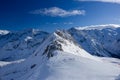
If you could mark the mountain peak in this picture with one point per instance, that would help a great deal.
(61, 40)
(55, 56)
(4, 32)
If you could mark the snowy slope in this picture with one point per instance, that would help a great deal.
(100, 40)
(19, 45)
(59, 57)
(66, 66)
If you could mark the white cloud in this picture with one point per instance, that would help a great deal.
(55, 11)
(109, 1)
(60, 23)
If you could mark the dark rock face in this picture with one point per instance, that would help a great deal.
(52, 47)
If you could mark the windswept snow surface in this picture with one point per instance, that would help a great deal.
(66, 66)
(60, 58)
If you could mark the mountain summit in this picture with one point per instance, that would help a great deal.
(57, 56)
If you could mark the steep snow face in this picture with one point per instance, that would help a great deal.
(59, 57)
(63, 41)
(100, 40)
(19, 45)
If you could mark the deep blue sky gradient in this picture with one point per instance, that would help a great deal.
(14, 14)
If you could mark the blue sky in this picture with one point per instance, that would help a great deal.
(49, 15)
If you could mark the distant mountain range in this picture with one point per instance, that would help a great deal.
(72, 54)
(100, 40)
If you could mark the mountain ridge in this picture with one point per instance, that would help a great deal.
(60, 57)
(100, 42)
(86, 37)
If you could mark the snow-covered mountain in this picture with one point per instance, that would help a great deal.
(100, 40)
(62, 55)
(19, 45)
(59, 57)
(3, 32)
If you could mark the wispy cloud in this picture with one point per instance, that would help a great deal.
(108, 1)
(68, 23)
(55, 11)
(60, 23)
